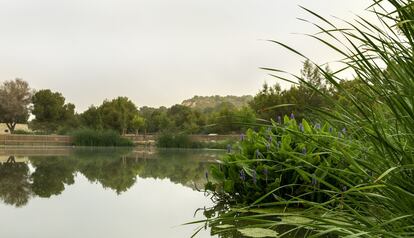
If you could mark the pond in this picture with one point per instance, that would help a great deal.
(102, 193)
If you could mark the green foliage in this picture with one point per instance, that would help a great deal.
(272, 101)
(137, 122)
(374, 195)
(169, 140)
(90, 137)
(229, 119)
(286, 160)
(22, 132)
(119, 114)
(184, 119)
(91, 118)
(52, 114)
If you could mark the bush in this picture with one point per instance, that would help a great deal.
(22, 132)
(169, 140)
(89, 137)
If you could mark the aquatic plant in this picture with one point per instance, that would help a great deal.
(375, 198)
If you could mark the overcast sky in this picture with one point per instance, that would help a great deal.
(156, 52)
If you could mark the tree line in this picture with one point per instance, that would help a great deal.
(52, 114)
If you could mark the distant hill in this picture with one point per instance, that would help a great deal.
(205, 102)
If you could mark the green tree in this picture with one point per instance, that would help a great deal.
(137, 123)
(51, 112)
(185, 119)
(117, 114)
(92, 118)
(297, 99)
(15, 98)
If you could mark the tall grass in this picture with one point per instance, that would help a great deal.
(380, 202)
(90, 137)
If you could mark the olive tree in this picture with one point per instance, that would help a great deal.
(15, 99)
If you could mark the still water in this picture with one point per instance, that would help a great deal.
(102, 192)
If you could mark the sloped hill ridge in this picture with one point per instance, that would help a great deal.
(204, 102)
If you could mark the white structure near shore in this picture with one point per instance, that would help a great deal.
(5, 130)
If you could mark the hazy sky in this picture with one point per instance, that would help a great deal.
(156, 52)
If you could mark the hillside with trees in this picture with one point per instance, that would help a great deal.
(204, 103)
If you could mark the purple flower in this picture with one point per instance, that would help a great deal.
(344, 130)
(257, 153)
(318, 126)
(279, 119)
(292, 116)
(301, 128)
(304, 151)
(254, 177)
(265, 172)
(242, 175)
(228, 148)
(270, 139)
(206, 175)
(314, 181)
(330, 129)
(242, 137)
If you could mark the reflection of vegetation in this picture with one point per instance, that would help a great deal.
(117, 174)
(229, 222)
(51, 175)
(172, 140)
(14, 183)
(116, 169)
(182, 167)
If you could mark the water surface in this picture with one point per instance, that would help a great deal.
(102, 192)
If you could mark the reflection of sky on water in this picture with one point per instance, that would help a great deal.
(151, 207)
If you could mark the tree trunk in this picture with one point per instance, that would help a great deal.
(11, 126)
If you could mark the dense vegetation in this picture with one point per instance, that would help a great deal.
(352, 177)
(199, 115)
(89, 137)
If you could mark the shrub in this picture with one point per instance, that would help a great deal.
(169, 140)
(89, 137)
(22, 132)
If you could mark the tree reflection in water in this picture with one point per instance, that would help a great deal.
(15, 186)
(113, 169)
